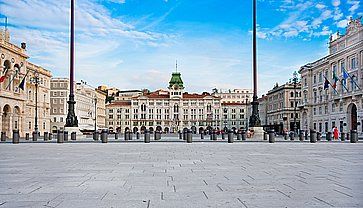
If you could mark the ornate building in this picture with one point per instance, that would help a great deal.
(88, 101)
(324, 106)
(282, 107)
(167, 110)
(18, 105)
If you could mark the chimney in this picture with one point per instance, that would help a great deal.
(23, 45)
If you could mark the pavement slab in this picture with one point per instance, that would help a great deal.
(177, 174)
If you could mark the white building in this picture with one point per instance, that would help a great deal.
(88, 101)
(322, 108)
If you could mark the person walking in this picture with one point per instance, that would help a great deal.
(336, 133)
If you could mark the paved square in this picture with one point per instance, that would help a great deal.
(253, 174)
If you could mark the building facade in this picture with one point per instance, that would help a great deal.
(18, 105)
(88, 101)
(282, 107)
(234, 96)
(324, 106)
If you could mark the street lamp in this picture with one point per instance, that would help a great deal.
(246, 114)
(295, 81)
(255, 118)
(35, 80)
(95, 100)
(71, 120)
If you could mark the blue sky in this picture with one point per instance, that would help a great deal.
(133, 44)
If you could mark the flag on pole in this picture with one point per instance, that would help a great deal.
(22, 83)
(326, 84)
(12, 79)
(2, 78)
(336, 79)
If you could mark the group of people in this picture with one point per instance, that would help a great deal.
(334, 130)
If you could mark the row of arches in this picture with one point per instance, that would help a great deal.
(10, 119)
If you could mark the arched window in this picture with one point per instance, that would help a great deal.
(291, 94)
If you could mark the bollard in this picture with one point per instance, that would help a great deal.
(353, 136)
(3, 136)
(126, 136)
(46, 138)
(189, 136)
(35, 136)
(244, 135)
(137, 135)
(50, 136)
(223, 136)
(306, 135)
(265, 135)
(116, 136)
(66, 136)
(26, 136)
(16, 136)
(301, 136)
(214, 136)
(104, 136)
(318, 136)
(201, 136)
(211, 136)
(313, 136)
(230, 136)
(73, 136)
(60, 136)
(342, 136)
(292, 136)
(146, 136)
(184, 134)
(347, 136)
(95, 135)
(239, 135)
(328, 136)
(180, 135)
(157, 135)
(271, 136)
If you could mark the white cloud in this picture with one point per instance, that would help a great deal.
(320, 6)
(354, 6)
(343, 23)
(336, 3)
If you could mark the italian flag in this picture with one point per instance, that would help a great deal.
(336, 79)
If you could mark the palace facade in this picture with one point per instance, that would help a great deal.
(323, 106)
(18, 106)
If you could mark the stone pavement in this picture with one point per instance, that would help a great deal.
(173, 174)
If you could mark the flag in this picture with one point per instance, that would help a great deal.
(345, 74)
(22, 83)
(336, 79)
(2, 78)
(12, 79)
(326, 84)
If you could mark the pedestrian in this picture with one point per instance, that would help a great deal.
(336, 133)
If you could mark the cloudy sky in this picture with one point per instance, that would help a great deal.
(133, 44)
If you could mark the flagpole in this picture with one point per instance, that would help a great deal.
(352, 79)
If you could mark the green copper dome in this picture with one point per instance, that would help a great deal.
(176, 80)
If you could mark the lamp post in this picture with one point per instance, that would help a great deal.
(255, 118)
(295, 80)
(95, 100)
(246, 114)
(35, 80)
(71, 120)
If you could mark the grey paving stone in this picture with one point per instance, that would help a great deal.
(208, 174)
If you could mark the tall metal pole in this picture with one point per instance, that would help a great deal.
(36, 79)
(71, 120)
(255, 118)
(295, 83)
(95, 114)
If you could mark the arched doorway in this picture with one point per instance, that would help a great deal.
(166, 130)
(16, 118)
(151, 129)
(352, 117)
(5, 119)
(135, 130)
(127, 129)
(158, 128)
(201, 130)
(54, 129)
(194, 129)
